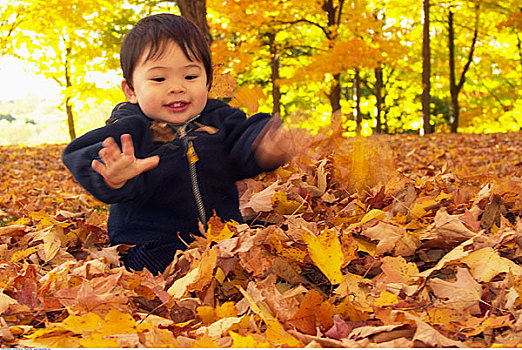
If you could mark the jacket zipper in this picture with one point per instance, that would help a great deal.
(192, 158)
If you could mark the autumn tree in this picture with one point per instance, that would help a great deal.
(64, 41)
(456, 87)
(11, 16)
(251, 39)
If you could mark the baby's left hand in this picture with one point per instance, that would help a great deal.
(273, 147)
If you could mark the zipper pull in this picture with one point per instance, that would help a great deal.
(191, 153)
(181, 131)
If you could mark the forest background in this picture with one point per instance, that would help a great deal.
(384, 66)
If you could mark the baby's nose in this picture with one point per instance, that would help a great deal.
(177, 88)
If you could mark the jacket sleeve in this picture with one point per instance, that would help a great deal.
(80, 153)
(241, 133)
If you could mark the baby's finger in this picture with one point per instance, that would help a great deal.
(127, 146)
(104, 156)
(110, 144)
(98, 167)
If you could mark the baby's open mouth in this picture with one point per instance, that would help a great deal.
(177, 104)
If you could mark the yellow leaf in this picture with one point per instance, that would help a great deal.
(245, 96)
(83, 324)
(248, 341)
(293, 255)
(46, 221)
(227, 231)
(325, 251)
(284, 206)
(220, 275)
(207, 314)
(418, 208)
(207, 266)
(386, 298)
(97, 340)
(21, 255)
(372, 214)
(205, 342)
(227, 309)
(277, 335)
(365, 246)
(357, 287)
(61, 341)
(117, 322)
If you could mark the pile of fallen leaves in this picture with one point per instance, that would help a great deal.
(392, 241)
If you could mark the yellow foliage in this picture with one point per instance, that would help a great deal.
(248, 97)
(385, 299)
(284, 206)
(248, 341)
(325, 251)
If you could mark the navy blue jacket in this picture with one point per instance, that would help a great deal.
(160, 203)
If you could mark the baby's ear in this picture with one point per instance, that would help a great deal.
(130, 95)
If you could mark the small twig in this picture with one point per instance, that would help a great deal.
(368, 270)
(182, 240)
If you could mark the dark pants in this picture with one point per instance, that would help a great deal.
(153, 256)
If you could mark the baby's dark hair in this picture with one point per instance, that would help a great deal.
(155, 32)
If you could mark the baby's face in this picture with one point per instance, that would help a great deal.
(170, 88)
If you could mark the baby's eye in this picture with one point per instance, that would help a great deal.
(191, 77)
(159, 80)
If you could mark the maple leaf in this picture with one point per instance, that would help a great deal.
(392, 239)
(325, 251)
(464, 293)
(485, 264)
(429, 335)
(305, 317)
(247, 97)
(199, 277)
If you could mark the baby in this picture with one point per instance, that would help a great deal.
(170, 156)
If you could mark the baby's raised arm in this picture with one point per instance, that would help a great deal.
(274, 145)
(119, 166)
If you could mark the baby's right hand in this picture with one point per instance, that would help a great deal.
(119, 166)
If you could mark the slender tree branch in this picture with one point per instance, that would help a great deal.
(471, 50)
(339, 14)
(303, 20)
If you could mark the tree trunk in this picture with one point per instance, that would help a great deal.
(454, 87)
(196, 11)
(426, 69)
(70, 118)
(334, 14)
(454, 104)
(335, 101)
(274, 64)
(68, 103)
(379, 86)
(358, 115)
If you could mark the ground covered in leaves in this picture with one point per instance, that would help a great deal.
(393, 241)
